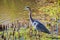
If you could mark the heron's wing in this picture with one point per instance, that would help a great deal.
(42, 28)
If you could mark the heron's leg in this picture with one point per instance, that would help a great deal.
(38, 35)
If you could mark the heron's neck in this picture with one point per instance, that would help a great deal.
(30, 16)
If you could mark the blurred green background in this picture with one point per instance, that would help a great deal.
(43, 10)
(14, 9)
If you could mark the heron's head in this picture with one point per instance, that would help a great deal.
(27, 8)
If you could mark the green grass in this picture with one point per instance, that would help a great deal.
(27, 34)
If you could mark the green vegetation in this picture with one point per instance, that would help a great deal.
(14, 9)
(27, 34)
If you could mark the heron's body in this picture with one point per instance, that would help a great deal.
(37, 25)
